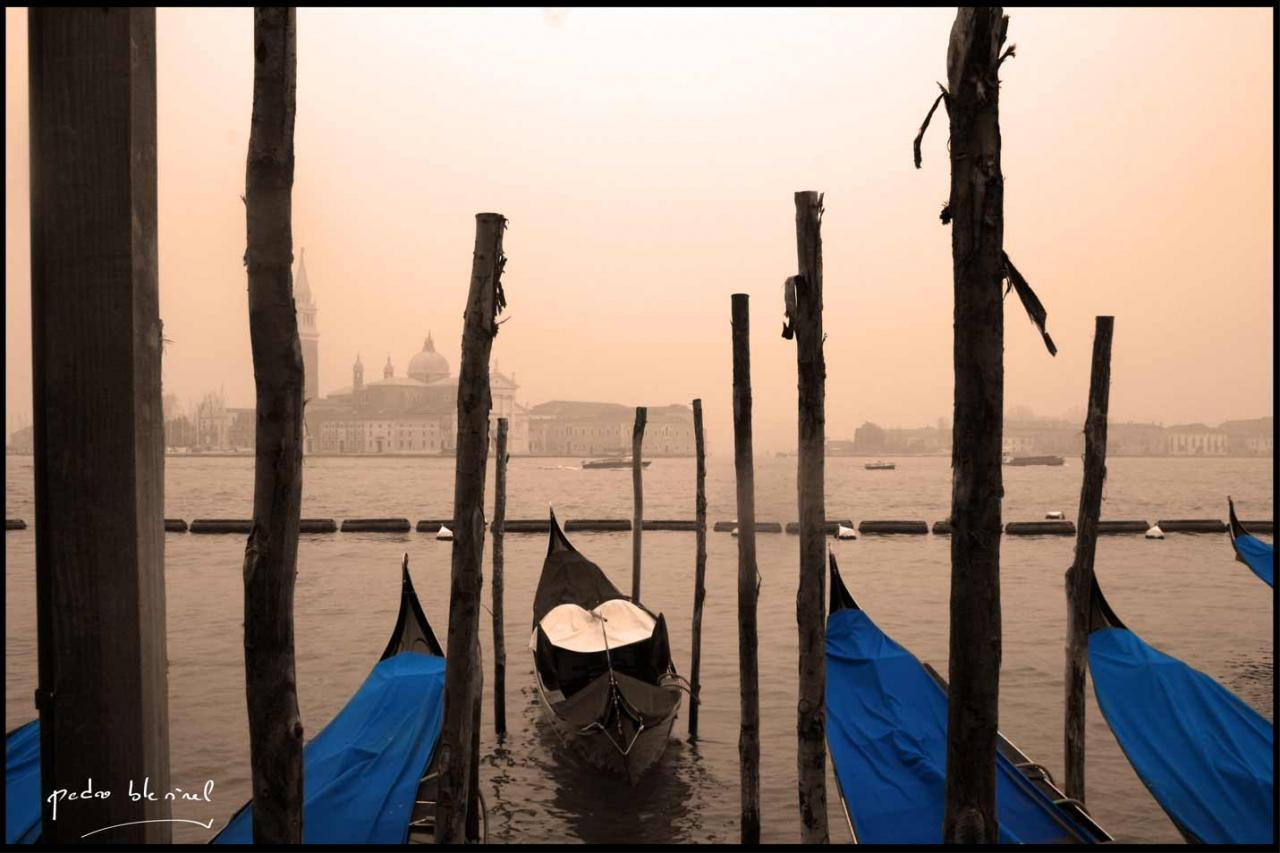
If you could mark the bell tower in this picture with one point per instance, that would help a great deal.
(308, 334)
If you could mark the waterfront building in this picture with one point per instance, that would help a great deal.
(1196, 440)
(308, 333)
(578, 428)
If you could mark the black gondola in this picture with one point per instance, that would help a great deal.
(1250, 550)
(612, 695)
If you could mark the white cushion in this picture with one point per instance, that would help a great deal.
(576, 629)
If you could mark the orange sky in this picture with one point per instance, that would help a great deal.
(647, 160)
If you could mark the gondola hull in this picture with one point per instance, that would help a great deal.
(599, 751)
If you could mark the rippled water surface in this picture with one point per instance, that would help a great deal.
(1186, 595)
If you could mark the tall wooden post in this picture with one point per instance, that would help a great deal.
(462, 676)
(804, 309)
(699, 566)
(1080, 575)
(99, 435)
(637, 491)
(499, 528)
(748, 575)
(271, 553)
(977, 233)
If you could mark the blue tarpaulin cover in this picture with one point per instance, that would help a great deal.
(1204, 754)
(887, 732)
(361, 773)
(22, 784)
(1257, 555)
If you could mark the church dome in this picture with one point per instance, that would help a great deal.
(428, 365)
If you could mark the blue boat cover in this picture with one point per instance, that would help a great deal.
(361, 773)
(887, 732)
(22, 784)
(1257, 555)
(1205, 755)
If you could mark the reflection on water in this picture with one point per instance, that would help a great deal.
(1186, 595)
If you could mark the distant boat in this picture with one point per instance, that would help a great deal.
(612, 462)
(1034, 460)
(1055, 516)
(880, 466)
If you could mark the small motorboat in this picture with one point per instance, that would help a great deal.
(1034, 460)
(1054, 516)
(880, 466)
(611, 462)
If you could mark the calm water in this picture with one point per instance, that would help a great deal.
(1186, 595)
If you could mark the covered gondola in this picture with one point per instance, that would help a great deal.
(603, 664)
(1250, 550)
(369, 777)
(1205, 755)
(887, 732)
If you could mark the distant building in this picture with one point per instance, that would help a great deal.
(22, 440)
(308, 333)
(574, 428)
(410, 414)
(1196, 440)
(1133, 439)
(1253, 437)
(872, 440)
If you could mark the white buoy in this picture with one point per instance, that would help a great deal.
(1155, 532)
(444, 533)
(734, 532)
(1054, 515)
(843, 532)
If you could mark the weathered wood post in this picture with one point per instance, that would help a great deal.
(102, 690)
(271, 552)
(1080, 574)
(804, 321)
(748, 576)
(699, 566)
(637, 491)
(977, 234)
(499, 528)
(462, 677)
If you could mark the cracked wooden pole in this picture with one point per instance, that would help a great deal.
(462, 676)
(699, 566)
(977, 233)
(102, 692)
(637, 492)
(271, 553)
(499, 528)
(804, 311)
(1080, 574)
(748, 586)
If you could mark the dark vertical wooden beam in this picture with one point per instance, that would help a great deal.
(977, 234)
(804, 295)
(699, 566)
(271, 552)
(462, 677)
(474, 816)
(748, 585)
(1080, 575)
(499, 529)
(637, 492)
(98, 425)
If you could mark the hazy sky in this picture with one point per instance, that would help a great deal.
(646, 161)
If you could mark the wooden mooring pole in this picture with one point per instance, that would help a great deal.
(1080, 574)
(748, 586)
(977, 234)
(102, 692)
(499, 528)
(462, 677)
(637, 491)
(804, 321)
(699, 566)
(271, 552)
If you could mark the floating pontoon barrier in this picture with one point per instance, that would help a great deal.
(1123, 526)
(1267, 526)
(670, 524)
(1040, 528)
(221, 525)
(597, 524)
(175, 525)
(1192, 525)
(431, 525)
(317, 525)
(526, 525)
(830, 528)
(14, 524)
(872, 526)
(375, 525)
(942, 528)
(761, 526)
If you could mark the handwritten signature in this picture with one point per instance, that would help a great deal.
(135, 793)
